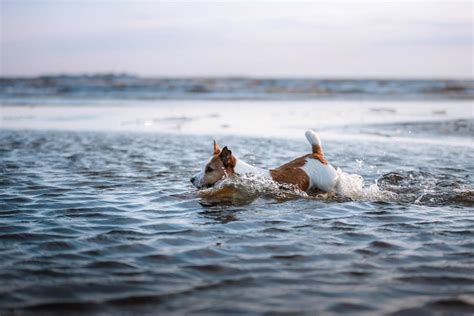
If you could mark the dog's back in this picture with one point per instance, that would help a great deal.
(309, 172)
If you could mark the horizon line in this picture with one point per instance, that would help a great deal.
(231, 76)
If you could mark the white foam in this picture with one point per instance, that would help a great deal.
(354, 187)
(258, 185)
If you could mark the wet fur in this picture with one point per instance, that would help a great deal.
(310, 172)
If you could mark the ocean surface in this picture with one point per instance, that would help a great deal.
(46, 89)
(97, 214)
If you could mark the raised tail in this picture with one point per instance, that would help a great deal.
(316, 146)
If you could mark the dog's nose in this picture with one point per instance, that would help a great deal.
(193, 179)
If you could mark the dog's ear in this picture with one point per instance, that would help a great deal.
(227, 158)
(217, 149)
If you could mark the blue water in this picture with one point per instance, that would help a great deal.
(44, 89)
(108, 223)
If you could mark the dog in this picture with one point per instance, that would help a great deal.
(311, 172)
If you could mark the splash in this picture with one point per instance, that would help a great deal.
(416, 187)
(354, 187)
(424, 188)
(246, 188)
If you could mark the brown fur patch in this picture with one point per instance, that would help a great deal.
(221, 165)
(319, 154)
(292, 173)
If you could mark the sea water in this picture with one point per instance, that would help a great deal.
(98, 215)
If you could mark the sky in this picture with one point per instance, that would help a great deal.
(336, 39)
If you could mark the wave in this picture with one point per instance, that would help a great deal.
(122, 86)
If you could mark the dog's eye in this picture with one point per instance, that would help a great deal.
(209, 169)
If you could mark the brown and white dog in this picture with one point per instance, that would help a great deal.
(309, 172)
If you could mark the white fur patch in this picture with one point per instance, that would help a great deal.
(312, 137)
(244, 168)
(321, 176)
(200, 175)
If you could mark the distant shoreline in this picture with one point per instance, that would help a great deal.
(124, 86)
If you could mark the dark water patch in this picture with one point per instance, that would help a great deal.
(383, 245)
(161, 259)
(350, 308)
(290, 257)
(203, 253)
(356, 236)
(47, 273)
(73, 308)
(19, 200)
(438, 280)
(275, 230)
(449, 306)
(56, 246)
(64, 231)
(466, 233)
(126, 234)
(468, 245)
(440, 270)
(129, 249)
(13, 229)
(214, 269)
(164, 228)
(33, 237)
(366, 252)
(9, 213)
(452, 305)
(110, 265)
(358, 274)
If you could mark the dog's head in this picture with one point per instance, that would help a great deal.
(219, 166)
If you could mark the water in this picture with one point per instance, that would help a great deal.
(47, 89)
(107, 222)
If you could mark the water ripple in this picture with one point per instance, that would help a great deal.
(109, 223)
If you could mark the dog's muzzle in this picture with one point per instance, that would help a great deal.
(195, 181)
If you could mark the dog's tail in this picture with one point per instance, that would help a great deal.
(316, 146)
